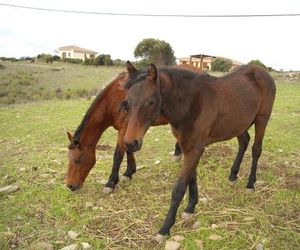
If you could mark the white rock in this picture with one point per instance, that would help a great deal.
(178, 238)
(73, 235)
(259, 246)
(196, 225)
(85, 245)
(42, 246)
(172, 245)
(89, 204)
(22, 169)
(70, 247)
(203, 200)
(140, 167)
(9, 189)
(215, 237)
(103, 182)
(156, 140)
(280, 150)
(199, 243)
(214, 226)
(157, 162)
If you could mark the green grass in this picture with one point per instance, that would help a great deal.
(27, 82)
(33, 155)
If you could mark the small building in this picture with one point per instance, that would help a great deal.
(203, 62)
(75, 52)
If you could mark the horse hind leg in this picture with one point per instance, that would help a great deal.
(193, 197)
(243, 140)
(260, 128)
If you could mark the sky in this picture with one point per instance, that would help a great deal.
(273, 40)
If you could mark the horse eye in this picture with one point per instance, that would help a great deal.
(124, 106)
(151, 103)
(77, 161)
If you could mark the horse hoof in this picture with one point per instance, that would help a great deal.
(232, 183)
(250, 190)
(177, 157)
(107, 190)
(124, 178)
(160, 238)
(186, 215)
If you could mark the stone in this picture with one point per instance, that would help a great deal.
(199, 243)
(89, 204)
(157, 162)
(140, 167)
(215, 237)
(73, 235)
(203, 200)
(41, 246)
(103, 182)
(196, 225)
(9, 189)
(259, 246)
(156, 140)
(107, 190)
(178, 238)
(186, 215)
(172, 245)
(70, 247)
(214, 226)
(22, 169)
(85, 245)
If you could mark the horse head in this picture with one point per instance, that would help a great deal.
(81, 161)
(143, 104)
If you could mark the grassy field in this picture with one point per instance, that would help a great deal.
(27, 82)
(33, 156)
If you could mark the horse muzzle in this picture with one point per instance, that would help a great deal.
(73, 187)
(133, 146)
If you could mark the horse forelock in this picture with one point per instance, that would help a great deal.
(136, 77)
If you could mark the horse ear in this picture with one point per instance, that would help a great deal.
(152, 72)
(130, 68)
(70, 136)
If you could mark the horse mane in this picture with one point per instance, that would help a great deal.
(92, 107)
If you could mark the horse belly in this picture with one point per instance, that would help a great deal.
(234, 119)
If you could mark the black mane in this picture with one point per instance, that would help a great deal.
(87, 115)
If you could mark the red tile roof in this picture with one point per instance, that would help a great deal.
(76, 49)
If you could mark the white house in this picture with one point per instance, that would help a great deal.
(75, 52)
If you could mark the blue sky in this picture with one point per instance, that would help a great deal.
(274, 40)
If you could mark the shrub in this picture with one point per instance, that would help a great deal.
(221, 64)
(257, 62)
(1, 66)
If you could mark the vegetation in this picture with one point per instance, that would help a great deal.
(21, 83)
(257, 62)
(33, 148)
(221, 64)
(155, 51)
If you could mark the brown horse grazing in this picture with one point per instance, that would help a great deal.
(102, 114)
(201, 109)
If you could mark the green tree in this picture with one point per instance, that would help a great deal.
(221, 64)
(155, 51)
(103, 60)
(257, 62)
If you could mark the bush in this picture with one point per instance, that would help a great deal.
(257, 62)
(221, 64)
(1, 66)
(47, 58)
(71, 60)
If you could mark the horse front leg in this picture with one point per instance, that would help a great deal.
(131, 167)
(118, 157)
(191, 159)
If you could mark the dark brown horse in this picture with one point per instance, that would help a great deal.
(201, 109)
(102, 114)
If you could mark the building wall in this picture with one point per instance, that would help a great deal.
(75, 55)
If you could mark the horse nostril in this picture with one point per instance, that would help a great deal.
(73, 187)
(134, 144)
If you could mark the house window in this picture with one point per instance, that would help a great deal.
(69, 54)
